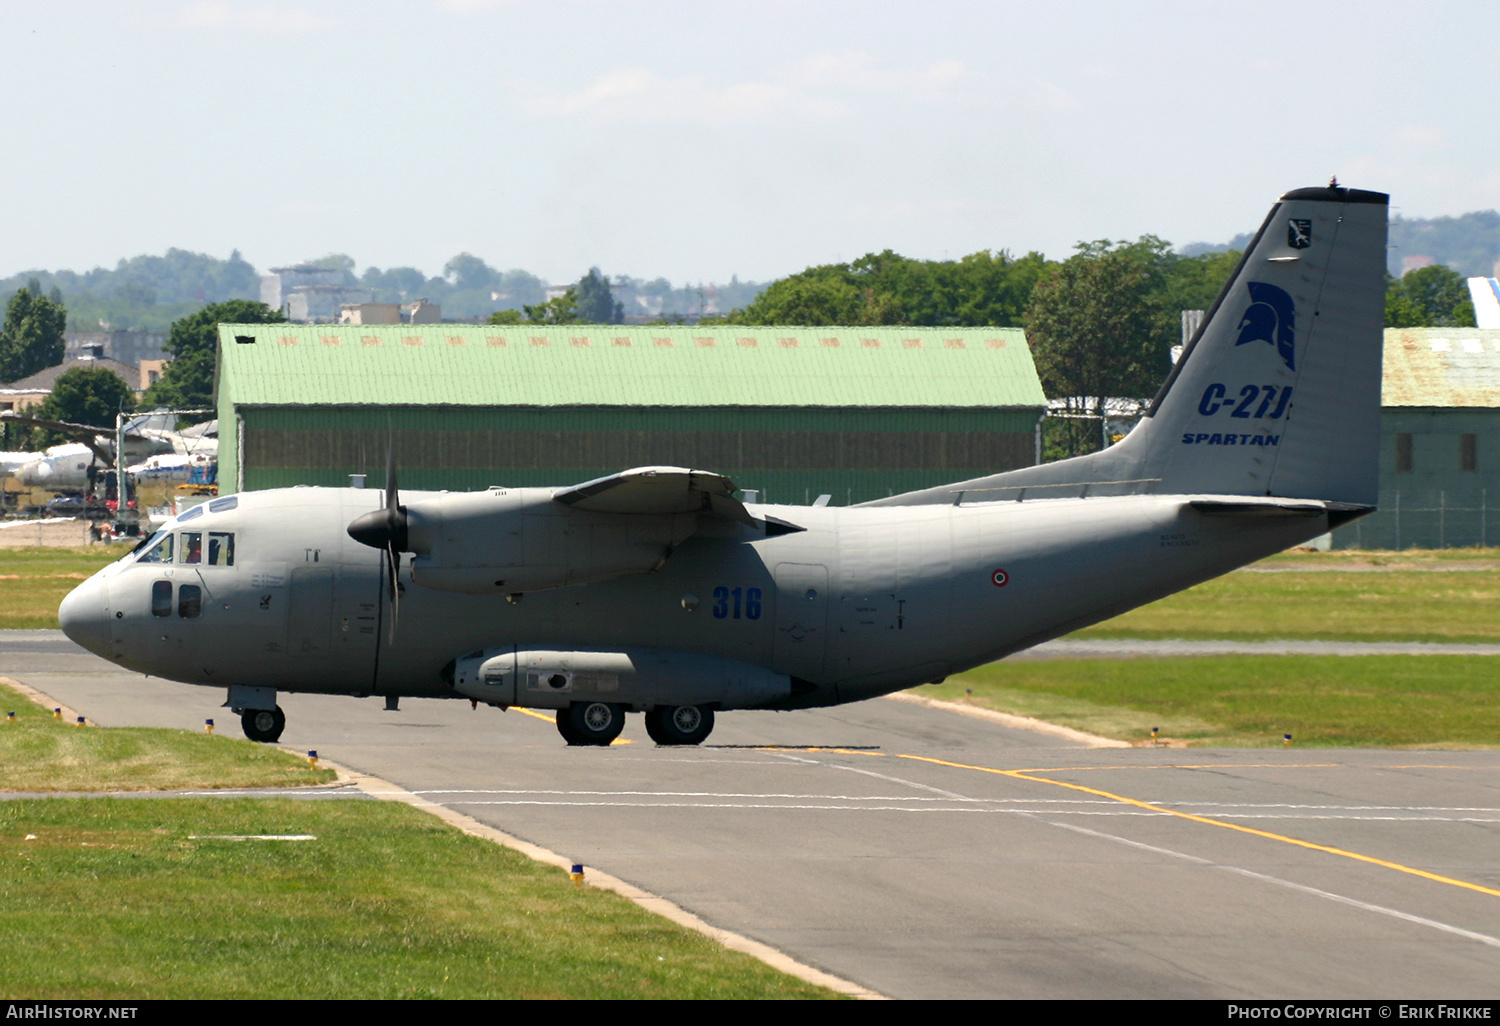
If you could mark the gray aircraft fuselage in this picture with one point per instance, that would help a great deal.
(861, 602)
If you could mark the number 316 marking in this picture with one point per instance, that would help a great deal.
(724, 596)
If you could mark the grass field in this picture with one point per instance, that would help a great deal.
(1346, 701)
(1449, 596)
(149, 899)
(34, 580)
(155, 898)
(38, 753)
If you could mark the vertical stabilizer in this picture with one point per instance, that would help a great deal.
(1279, 392)
(1486, 295)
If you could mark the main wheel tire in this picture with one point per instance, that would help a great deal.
(565, 728)
(680, 724)
(591, 723)
(264, 725)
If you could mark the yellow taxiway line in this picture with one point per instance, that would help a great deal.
(1356, 856)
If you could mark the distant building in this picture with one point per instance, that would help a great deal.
(370, 313)
(419, 312)
(125, 346)
(1439, 443)
(26, 392)
(310, 294)
(151, 372)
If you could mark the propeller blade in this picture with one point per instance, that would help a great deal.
(393, 565)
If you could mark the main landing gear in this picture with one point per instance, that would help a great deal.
(679, 724)
(599, 723)
(591, 723)
(263, 725)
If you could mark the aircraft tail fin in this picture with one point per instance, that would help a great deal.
(1278, 394)
(1486, 296)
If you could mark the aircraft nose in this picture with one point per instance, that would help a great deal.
(83, 616)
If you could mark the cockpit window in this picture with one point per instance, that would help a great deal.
(196, 511)
(159, 550)
(220, 505)
(220, 549)
(192, 547)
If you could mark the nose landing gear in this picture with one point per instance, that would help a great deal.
(264, 725)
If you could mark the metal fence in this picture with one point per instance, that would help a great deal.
(1424, 519)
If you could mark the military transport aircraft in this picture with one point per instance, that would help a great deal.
(657, 591)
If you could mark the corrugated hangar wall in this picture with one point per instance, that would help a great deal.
(1439, 443)
(893, 415)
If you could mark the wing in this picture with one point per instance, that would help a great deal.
(658, 490)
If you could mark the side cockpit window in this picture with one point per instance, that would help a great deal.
(220, 548)
(159, 550)
(192, 547)
(189, 601)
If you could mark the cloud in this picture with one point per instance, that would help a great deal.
(826, 85)
(462, 7)
(262, 19)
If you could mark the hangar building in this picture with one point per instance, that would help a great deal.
(857, 413)
(1439, 443)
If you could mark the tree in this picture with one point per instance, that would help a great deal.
(1433, 296)
(87, 395)
(188, 381)
(1099, 327)
(805, 299)
(596, 303)
(981, 289)
(561, 309)
(32, 338)
(467, 271)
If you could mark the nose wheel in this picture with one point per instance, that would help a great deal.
(591, 723)
(264, 725)
(680, 724)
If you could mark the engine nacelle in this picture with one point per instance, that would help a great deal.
(519, 539)
(636, 677)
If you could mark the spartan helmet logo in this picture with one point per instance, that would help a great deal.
(1270, 318)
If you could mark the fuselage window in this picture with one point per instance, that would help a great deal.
(189, 601)
(220, 549)
(160, 551)
(192, 547)
(161, 598)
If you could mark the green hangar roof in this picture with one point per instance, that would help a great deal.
(607, 365)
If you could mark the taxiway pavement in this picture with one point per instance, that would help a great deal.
(926, 854)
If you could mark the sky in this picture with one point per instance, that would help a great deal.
(699, 140)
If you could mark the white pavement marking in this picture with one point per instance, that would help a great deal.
(1482, 938)
(948, 801)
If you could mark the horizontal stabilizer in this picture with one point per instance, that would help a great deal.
(1251, 508)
